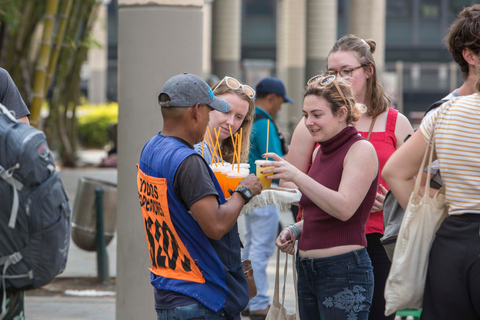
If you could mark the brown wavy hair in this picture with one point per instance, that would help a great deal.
(464, 33)
(376, 99)
(226, 146)
(330, 93)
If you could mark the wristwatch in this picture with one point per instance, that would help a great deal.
(245, 192)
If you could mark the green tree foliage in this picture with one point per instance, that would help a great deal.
(43, 44)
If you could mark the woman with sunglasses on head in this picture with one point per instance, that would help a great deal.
(351, 58)
(240, 97)
(335, 276)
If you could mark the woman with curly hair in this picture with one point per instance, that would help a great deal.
(335, 275)
(351, 58)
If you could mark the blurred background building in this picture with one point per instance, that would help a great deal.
(289, 39)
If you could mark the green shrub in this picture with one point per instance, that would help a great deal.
(93, 123)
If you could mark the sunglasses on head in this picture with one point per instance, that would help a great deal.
(234, 84)
(325, 81)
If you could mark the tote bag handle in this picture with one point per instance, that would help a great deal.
(276, 297)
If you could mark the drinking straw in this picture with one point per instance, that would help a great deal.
(214, 153)
(234, 142)
(268, 129)
(219, 150)
(215, 146)
(239, 150)
(209, 147)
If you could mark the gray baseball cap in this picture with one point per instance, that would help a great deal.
(186, 90)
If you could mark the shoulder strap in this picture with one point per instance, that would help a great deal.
(391, 120)
(258, 116)
(371, 127)
(7, 113)
(435, 105)
(7, 175)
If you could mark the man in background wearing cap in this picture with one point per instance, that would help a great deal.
(262, 223)
(191, 230)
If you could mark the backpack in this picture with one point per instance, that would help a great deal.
(34, 209)
(283, 141)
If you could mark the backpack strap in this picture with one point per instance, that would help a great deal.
(7, 261)
(9, 115)
(435, 105)
(7, 175)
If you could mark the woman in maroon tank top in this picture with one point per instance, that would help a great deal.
(352, 58)
(335, 275)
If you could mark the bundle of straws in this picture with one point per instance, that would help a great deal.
(213, 152)
(237, 147)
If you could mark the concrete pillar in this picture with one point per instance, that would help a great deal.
(227, 30)
(207, 38)
(157, 40)
(97, 59)
(291, 56)
(321, 34)
(367, 21)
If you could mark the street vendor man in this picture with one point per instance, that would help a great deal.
(191, 230)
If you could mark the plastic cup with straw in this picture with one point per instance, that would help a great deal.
(266, 183)
(216, 167)
(234, 177)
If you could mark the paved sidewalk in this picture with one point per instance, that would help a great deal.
(72, 308)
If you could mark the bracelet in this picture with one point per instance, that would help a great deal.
(295, 229)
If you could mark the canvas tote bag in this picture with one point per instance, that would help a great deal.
(423, 216)
(277, 310)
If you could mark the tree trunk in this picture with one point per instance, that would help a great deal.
(62, 26)
(42, 64)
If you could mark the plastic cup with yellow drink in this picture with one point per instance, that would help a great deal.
(266, 183)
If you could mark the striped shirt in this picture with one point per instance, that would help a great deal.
(457, 146)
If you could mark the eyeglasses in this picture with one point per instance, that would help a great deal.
(234, 84)
(325, 81)
(345, 72)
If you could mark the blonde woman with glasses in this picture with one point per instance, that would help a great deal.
(335, 274)
(240, 98)
(351, 58)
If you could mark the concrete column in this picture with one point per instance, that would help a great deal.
(157, 40)
(291, 56)
(97, 59)
(321, 34)
(207, 38)
(367, 21)
(227, 30)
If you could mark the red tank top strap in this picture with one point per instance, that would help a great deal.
(391, 121)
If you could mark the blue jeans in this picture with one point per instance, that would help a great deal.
(261, 227)
(194, 311)
(338, 287)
